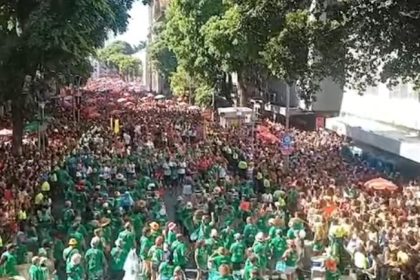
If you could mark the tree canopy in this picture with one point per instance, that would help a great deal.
(299, 41)
(53, 38)
(119, 55)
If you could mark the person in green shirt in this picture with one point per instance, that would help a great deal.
(278, 246)
(291, 259)
(118, 257)
(237, 251)
(166, 268)
(260, 250)
(250, 231)
(95, 260)
(156, 256)
(70, 250)
(219, 258)
(227, 236)
(180, 253)
(34, 269)
(145, 244)
(171, 235)
(224, 273)
(8, 261)
(74, 268)
(128, 237)
(201, 259)
(250, 264)
(43, 269)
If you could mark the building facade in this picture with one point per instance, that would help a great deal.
(388, 119)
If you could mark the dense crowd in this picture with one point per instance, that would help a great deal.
(146, 189)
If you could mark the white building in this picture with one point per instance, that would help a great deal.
(385, 118)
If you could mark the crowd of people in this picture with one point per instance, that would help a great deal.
(149, 189)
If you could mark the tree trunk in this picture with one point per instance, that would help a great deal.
(242, 90)
(17, 122)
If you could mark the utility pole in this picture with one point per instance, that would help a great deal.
(287, 159)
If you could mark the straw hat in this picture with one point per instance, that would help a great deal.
(154, 226)
(72, 242)
(171, 226)
(119, 177)
(141, 203)
(104, 222)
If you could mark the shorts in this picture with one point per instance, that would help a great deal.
(236, 266)
(290, 270)
(155, 267)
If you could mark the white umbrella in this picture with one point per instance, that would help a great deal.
(6, 132)
(160, 96)
(193, 108)
(121, 100)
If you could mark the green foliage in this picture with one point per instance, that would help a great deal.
(119, 55)
(383, 39)
(162, 58)
(180, 82)
(54, 38)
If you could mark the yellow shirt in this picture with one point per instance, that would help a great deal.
(45, 187)
(39, 198)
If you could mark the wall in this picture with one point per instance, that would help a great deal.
(399, 106)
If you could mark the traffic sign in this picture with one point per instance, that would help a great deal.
(286, 144)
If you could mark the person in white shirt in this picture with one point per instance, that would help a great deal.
(182, 165)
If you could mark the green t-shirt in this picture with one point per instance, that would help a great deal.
(279, 246)
(156, 254)
(145, 245)
(180, 257)
(95, 260)
(237, 251)
(166, 269)
(220, 260)
(202, 258)
(118, 256)
(74, 272)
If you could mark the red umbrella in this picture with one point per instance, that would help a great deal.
(381, 184)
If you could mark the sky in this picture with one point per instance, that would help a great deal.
(137, 28)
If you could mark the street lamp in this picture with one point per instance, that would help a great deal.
(41, 126)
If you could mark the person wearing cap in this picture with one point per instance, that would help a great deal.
(117, 260)
(237, 251)
(156, 256)
(155, 231)
(70, 250)
(95, 260)
(34, 270)
(127, 236)
(76, 232)
(74, 268)
(260, 250)
(278, 246)
(171, 235)
(44, 268)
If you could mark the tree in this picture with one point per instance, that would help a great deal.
(119, 55)
(183, 37)
(383, 41)
(54, 38)
(162, 58)
(305, 51)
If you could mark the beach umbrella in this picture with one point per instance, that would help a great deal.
(159, 97)
(381, 184)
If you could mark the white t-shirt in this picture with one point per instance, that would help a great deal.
(181, 168)
(127, 138)
(166, 169)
